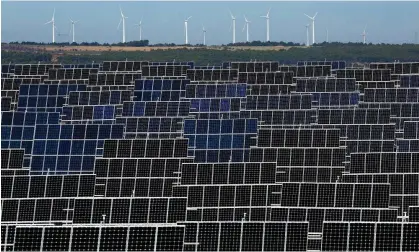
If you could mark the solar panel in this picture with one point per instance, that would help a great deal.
(113, 66)
(409, 80)
(164, 70)
(100, 114)
(72, 81)
(70, 73)
(220, 140)
(213, 90)
(160, 90)
(113, 78)
(212, 74)
(307, 71)
(7, 68)
(387, 95)
(98, 97)
(173, 63)
(325, 85)
(45, 98)
(284, 77)
(91, 65)
(335, 64)
(34, 69)
(159, 109)
(397, 67)
(365, 74)
(260, 66)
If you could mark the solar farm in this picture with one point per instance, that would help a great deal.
(244, 156)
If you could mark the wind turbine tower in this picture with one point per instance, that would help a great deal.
(72, 28)
(308, 37)
(141, 29)
(246, 25)
(53, 26)
(267, 24)
(205, 32)
(312, 25)
(186, 30)
(233, 18)
(364, 35)
(123, 25)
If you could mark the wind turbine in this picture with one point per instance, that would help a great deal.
(123, 25)
(204, 31)
(246, 25)
(139, 25)
(267, 24)
(233, 18)
(186, 30)
(53, 26)
(312, 24)
(364, 35)
(72, 28)
(308, 39)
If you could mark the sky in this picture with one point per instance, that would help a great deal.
(163, 22)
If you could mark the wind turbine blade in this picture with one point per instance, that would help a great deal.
(53, 14)
(308, 16)
(315, 15)
(244, 27)
(48, 22)
(231, 14)
(365, 28)
(120, 20)
(267, 15)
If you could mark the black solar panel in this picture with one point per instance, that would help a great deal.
(34, 69)
(123, 65)
(165, 70)
(261, 66)
(113, 78)
(70, 73)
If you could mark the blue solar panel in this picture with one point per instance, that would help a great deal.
(409, 80)
(220, 140)
(48, 98)
(159, 90)
(70, 147)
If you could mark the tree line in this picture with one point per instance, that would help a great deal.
(202, 56)
(140, 43)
